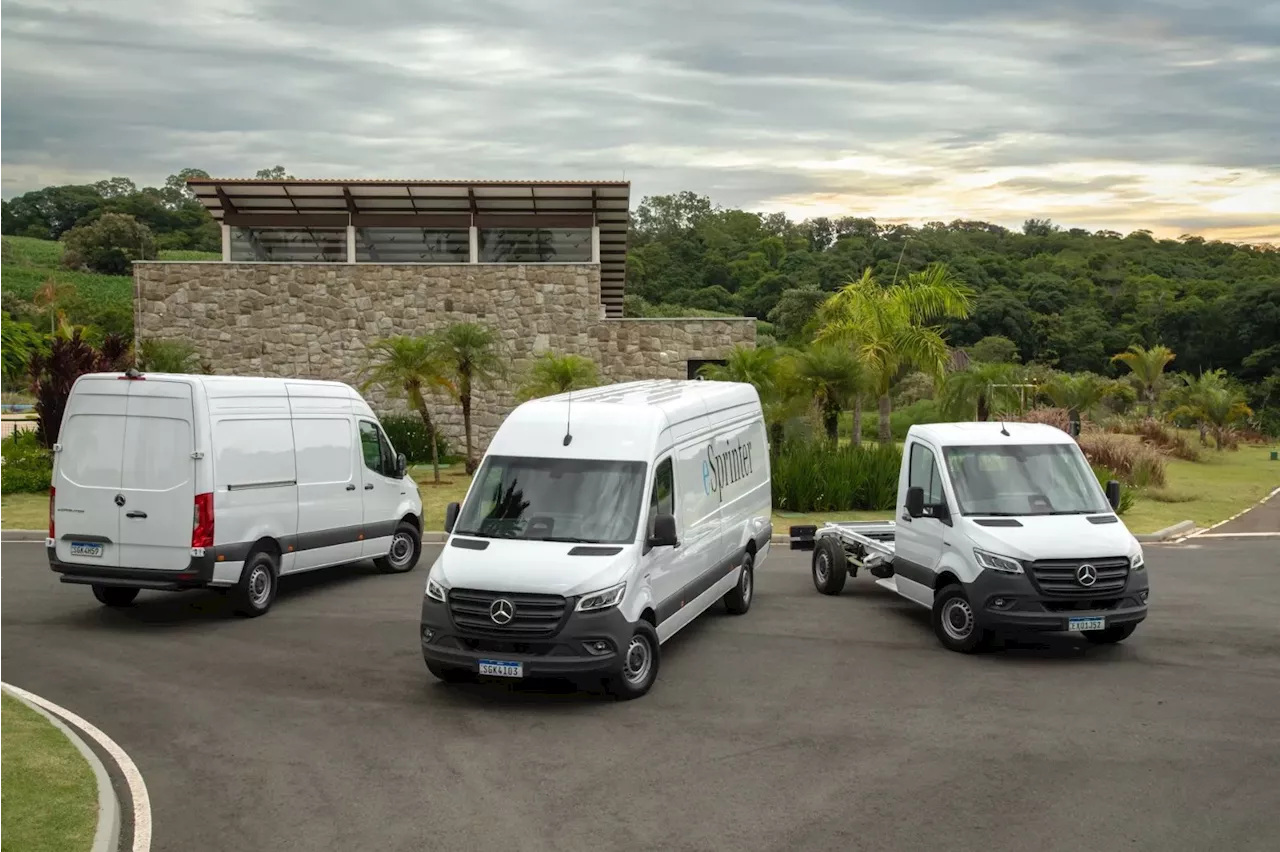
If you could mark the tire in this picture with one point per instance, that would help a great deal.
(449, 674)
(256, 591)
(738, 599)
(956, 624)
(640, 660)
(830, 567)
(114, 595)
(1111, 635)
(406, 550)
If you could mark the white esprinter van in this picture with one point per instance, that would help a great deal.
(176, 482)
(597, 525)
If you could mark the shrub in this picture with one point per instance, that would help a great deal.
(815, 476)
(27, 466)
(409, 435)
(1127, 495)
(1133, 462)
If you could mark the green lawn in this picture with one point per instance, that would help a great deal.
(50, 797)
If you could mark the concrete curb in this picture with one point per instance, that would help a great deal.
(23, 535)
(1178, 529)
(106, 838)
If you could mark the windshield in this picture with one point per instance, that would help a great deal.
(1044, 479)
(592, 502)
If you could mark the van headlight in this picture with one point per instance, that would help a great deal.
(602, 599)
(435, 591)
(1137, 562)
(1003, 564)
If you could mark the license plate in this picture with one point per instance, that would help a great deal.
(1086, 624)
(501, 668)
(83, 548)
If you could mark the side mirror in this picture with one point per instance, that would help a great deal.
(451, 516)
(915, 501)
(664, 532)
(402, 466)
(1113, 494)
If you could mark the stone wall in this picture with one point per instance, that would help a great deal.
(314, 320)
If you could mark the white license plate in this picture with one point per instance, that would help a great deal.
(1086, 624)
(82, 548)
(501, 668)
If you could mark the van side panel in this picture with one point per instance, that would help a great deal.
(255, 478)
(158, 473)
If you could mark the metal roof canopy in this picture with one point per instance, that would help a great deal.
(433, 204)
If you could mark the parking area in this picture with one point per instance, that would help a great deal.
(811, 723)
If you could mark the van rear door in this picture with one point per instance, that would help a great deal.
(157, 481)
(87, 476)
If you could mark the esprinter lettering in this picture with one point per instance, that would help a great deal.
(726, 468)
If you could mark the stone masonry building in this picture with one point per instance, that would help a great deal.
(313, 271)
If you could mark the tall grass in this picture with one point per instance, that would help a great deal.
(814, 476)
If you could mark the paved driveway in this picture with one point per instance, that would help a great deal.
(812, 723)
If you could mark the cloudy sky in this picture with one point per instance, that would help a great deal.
(1123, 114)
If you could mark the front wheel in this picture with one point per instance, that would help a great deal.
(738, 599)
(1110, 635)
(640, 661)
(830, 567)
(406, 548)
(114, 595)
(955, 623)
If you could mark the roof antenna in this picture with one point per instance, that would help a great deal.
(568, 438)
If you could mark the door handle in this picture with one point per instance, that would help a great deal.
(368, 486)
(136, 514)
(351, 487)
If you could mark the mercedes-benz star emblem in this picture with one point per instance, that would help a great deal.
(1086, 575)
(119, 499)
(502, 611)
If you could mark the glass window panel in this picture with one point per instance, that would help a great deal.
(289, 245)
(535, 245)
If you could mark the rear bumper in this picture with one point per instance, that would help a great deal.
(1024, 609)
(197, 575)
(563, 655)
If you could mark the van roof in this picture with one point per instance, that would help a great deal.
(622, 421)
(991, 432)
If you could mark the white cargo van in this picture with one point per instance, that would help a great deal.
(598, 525)
(177, 482)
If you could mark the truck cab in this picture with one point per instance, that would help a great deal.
(999, 528)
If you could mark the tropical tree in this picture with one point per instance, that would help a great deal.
(980, 390)
(406, 367)
(888, 326)
(1214, 404)
(832, 377)
(471, 357)
(1147, 369)
(553, 374)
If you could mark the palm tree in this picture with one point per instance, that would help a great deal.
(980, 389)
(1213, 404)
(831, 376)
(1147, 367)
(471, 357)
(553, 374)
(406, 367)
(888, 329)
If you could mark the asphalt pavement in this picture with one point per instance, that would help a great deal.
(811, 723)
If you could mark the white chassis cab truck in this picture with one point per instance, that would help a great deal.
(1002, 528)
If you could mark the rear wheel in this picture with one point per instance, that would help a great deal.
(738, 599)
(830, 568)
(640, 661)
(256, 590)
(955, 623)
(114, 595)
(406, 548)
(1110, 635)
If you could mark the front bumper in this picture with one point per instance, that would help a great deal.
(563, 655)
(1025, 609)
(197, 575)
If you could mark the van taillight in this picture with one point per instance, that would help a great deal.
(202, 521)
(53, 492)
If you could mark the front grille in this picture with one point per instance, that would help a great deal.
(535, 615)
(1059, 576)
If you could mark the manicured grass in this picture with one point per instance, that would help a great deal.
(1219, 485)
(50, 795)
